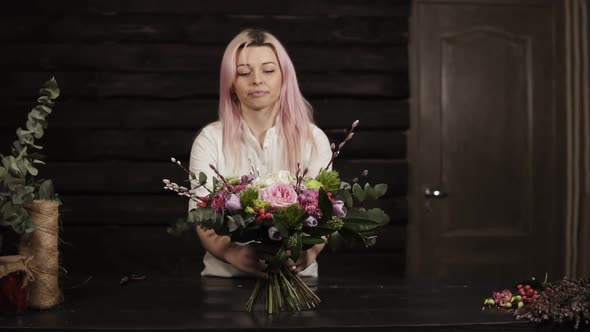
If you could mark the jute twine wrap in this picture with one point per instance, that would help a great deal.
(16, 263)
(41, 248)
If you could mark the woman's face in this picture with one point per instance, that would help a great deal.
(258, 80)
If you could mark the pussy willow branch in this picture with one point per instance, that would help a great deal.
(348, 138)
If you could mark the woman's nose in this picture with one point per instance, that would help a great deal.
(256, 78)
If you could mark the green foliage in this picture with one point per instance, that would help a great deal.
(18, 185)
(291, 216)
(330, 179)
(368, 193)
(248, 196)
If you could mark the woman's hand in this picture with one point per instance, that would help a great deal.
(250, 258)
(306, 258)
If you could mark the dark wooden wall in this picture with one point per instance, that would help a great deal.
(140, 78)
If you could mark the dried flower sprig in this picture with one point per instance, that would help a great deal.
(299, 177)
(335, 152)
(192, 176)
(221, 177)
(182, 191)
(568, 300)
(364, 173)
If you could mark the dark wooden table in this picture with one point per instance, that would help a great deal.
(190, 303)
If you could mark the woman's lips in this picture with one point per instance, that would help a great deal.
(258, 93)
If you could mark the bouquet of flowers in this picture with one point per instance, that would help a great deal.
(565, 301)
(290, 212)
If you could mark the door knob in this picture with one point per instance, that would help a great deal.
(431, 193)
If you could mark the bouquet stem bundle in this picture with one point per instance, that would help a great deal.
(283, 288)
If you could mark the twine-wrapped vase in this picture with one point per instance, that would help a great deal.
(42, 248)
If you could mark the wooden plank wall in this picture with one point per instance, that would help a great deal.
(140, 78)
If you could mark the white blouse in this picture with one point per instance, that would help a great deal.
(208, 149)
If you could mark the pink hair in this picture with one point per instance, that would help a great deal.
(295, 113)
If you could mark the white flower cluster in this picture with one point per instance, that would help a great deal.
(281, 176)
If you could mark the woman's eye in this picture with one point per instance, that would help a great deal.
(269, 71)
(244, 74)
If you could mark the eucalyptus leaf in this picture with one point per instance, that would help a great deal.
(202, 178)
(50, 89)
(358, 193)
(346, 197)
(18, 172)
(235, 222)
(345, 186)
(370, 194)
(178, 228)
(46, 190)
(46, 101)
(32, 169)
(360, 224)
(43, 110)
(380, 189)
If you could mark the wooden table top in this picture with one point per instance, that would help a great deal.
(199, 304)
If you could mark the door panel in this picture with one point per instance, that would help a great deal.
(484, 132)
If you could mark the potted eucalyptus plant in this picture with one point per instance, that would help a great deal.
(29, 205)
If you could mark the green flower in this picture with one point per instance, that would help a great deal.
(292, 216)
(313, 184)
(249, 210)
(261, 204)
(329, 179)
(233, 180)
(248, 196)
(335, 223)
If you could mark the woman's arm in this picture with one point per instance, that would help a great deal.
(247, 258)
(243, 257)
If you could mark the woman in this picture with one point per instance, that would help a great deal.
(265, 124)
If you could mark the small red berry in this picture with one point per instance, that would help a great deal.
(522, 292)
(536, 292)
(524, 298)
(527, 287)
(529, 293)
(261, 211)
(519, 286)
(268, 215)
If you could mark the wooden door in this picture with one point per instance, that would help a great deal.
(486, 141)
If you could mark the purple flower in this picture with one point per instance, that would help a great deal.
(274, 234)
(233, 203)
(310, 222)
(308, 200)
(339, 209)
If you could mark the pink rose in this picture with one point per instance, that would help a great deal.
(279, 195)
